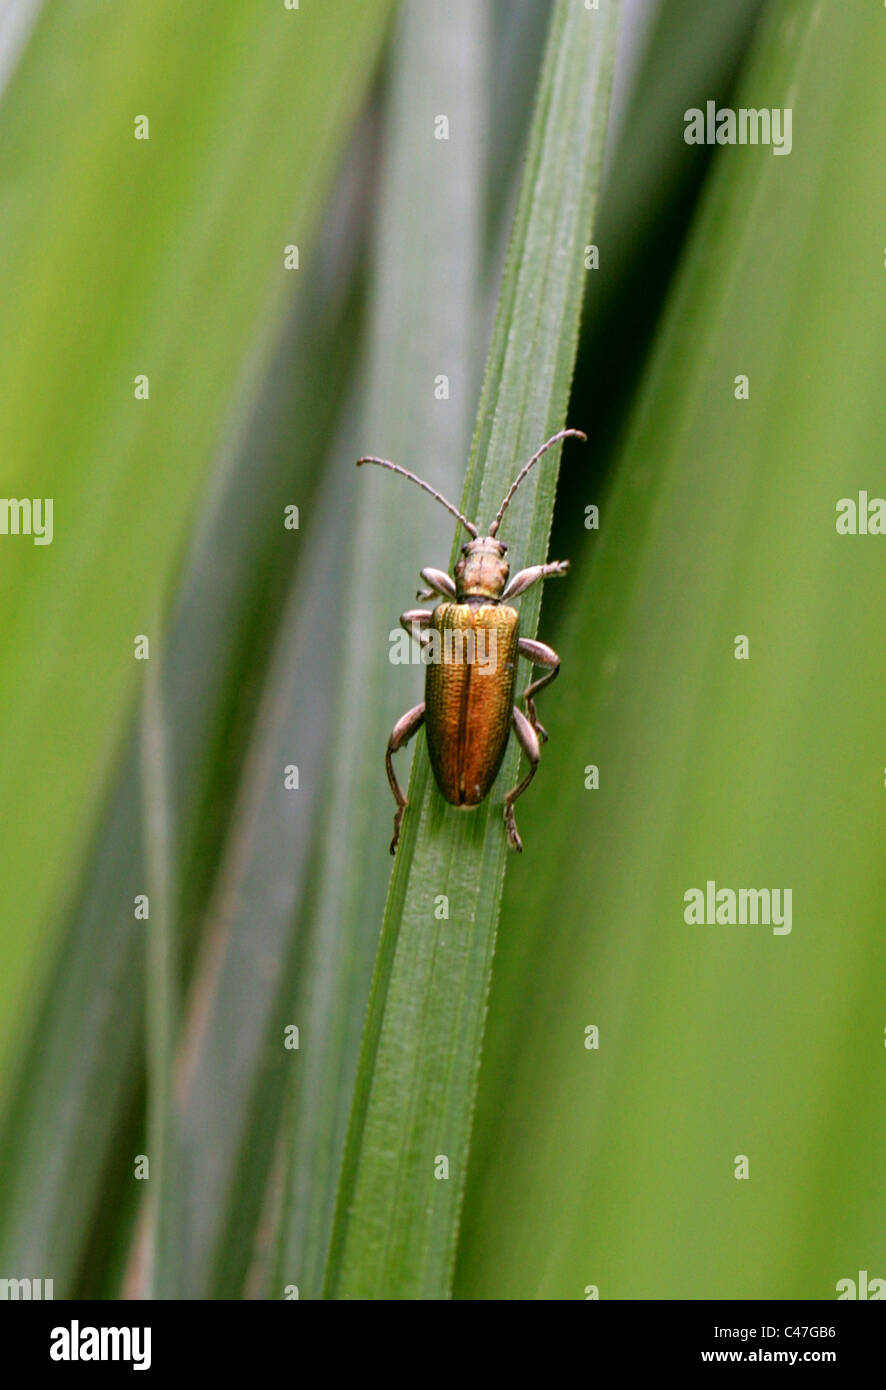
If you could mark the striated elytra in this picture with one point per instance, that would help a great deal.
(471, 642)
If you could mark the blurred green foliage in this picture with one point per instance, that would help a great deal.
(612, 1167)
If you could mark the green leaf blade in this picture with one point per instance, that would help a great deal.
(426, 319)
(397, 1219)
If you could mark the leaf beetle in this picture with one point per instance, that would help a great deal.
(471, 643)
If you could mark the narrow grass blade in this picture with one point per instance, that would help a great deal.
(405, 1162)
(427, 318)
(162, 985)
(236, 1059)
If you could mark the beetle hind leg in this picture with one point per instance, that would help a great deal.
(540, 655)
(527, 737)
(404, 729)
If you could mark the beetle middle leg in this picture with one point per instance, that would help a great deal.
(406, 726)
(528, 741)
(540, 655)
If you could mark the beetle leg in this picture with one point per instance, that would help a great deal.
(438, 582)
(528, 740)
(418, 618)
(407, 725)
(524, 578)
(540, 655)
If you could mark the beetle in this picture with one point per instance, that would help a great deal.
(468, 709)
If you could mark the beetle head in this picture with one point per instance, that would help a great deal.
(481, 570)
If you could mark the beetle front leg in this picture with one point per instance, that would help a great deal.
(528, 741)
(438, 582)
(407, 725)
(523, 579)
(416, 621)
(540, 655)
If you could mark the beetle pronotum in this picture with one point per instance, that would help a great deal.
(468, 712)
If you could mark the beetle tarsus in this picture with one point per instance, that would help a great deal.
(513, 834)
(398, 816)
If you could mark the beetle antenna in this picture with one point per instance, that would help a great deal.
(404, 473)
(555, 439)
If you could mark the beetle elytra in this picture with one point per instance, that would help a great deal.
(468, 709)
